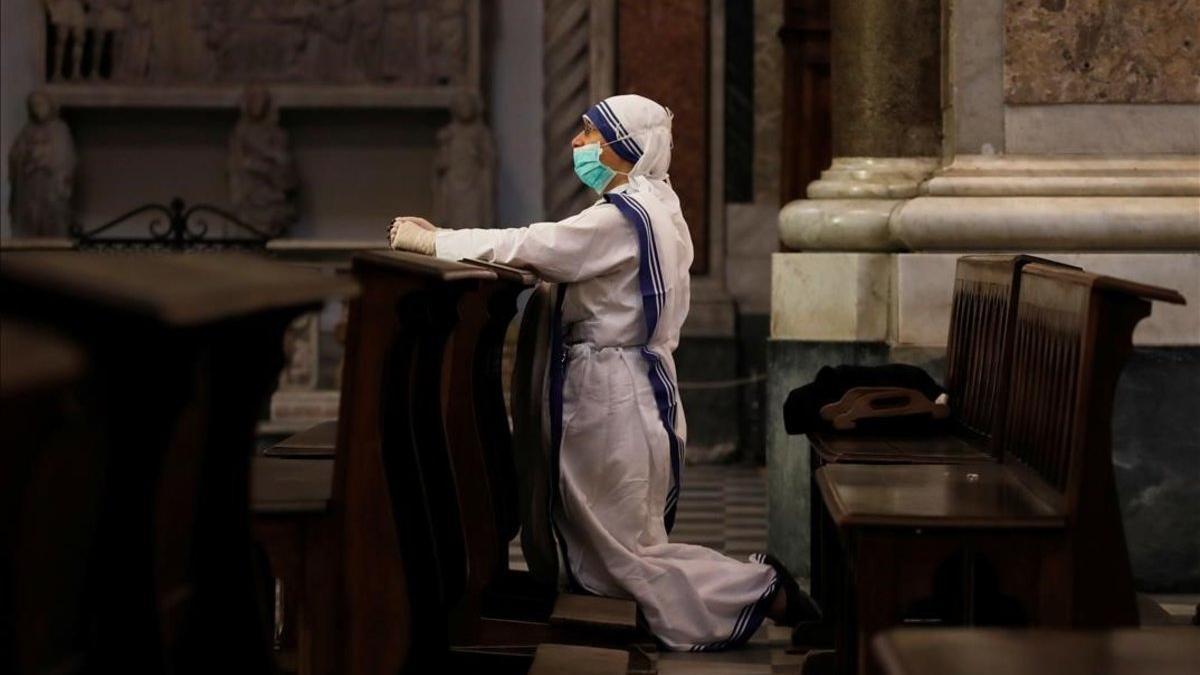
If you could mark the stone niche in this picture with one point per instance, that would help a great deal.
(362, 90)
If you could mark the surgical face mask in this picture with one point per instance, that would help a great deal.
(594, 173)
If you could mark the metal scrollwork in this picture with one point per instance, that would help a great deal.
(174, 226)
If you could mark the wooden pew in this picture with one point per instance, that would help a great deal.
(501, 606)
(184, 351)
(979, 349)
(962, 651)
(531, 436)
(1034, 539)
(49, 484)
(400, 545)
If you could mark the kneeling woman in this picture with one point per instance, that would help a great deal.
(624, 264)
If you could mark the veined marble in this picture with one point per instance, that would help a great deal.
(1101, 51)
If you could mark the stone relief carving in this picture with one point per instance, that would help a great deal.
(1101, 51)
(300, 351)
(42, 170)
(464, 169)
(262, 175)
(405, 42)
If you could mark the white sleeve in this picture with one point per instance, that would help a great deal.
(588, 245)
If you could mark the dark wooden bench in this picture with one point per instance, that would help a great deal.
(416, 532)
(184, 351)
(979, 348)
(1035, 538)
(465, 457)
(49, 482)
(963, 651)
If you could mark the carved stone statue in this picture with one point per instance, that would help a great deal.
(262, 176)
(69, 20)
(464, 169)
(300, 348)
(42, 169)
(449, 45)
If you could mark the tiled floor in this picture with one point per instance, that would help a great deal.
(725, 507)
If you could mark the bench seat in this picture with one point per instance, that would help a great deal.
(933, 495)
(555, 659)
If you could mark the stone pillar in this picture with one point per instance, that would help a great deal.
(885, 65)
(885, 68)
(578, 60)
(663, 53)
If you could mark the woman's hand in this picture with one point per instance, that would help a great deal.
(412, 234)
(421, 222)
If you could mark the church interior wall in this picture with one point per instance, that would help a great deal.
(1060, 154)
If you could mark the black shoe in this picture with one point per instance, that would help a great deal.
(807, 637)
(800, 607)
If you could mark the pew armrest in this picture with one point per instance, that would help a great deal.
(290, 486)
(555, 659)
(591, 610)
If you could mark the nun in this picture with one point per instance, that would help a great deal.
(618, 426)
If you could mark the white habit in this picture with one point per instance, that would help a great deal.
(624, 263)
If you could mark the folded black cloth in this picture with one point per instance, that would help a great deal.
(802, 410)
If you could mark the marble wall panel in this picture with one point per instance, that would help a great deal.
(1102, 51)
(1156, 446)
(768, 99)
(663, 53)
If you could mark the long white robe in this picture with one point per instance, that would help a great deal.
(625, 261)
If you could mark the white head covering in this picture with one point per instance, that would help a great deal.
(639, 131)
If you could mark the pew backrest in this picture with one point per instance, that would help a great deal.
(397, 536)
(51, 480)
(531, 435)
(494, 419)
(979, 348)
(1072, 337)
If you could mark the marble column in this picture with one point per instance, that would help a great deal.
(885, 65)
(663, 53)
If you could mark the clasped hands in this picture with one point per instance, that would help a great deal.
(412, 233)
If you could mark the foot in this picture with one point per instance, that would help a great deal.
(798, 606)
(809, 636)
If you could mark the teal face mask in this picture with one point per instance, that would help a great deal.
(590, 169)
